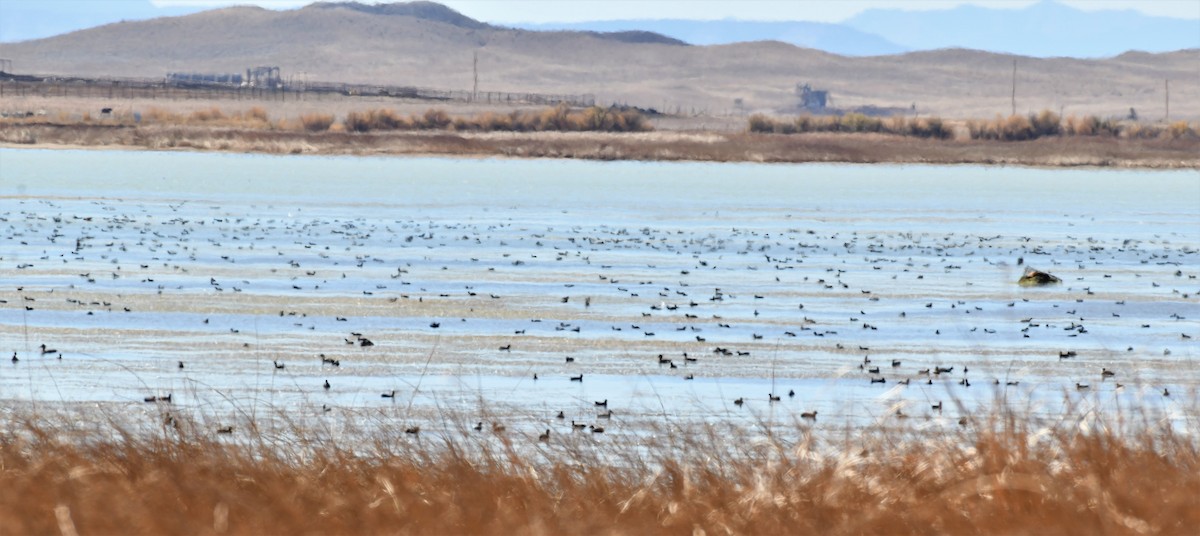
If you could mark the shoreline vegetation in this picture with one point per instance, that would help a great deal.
(1043, 139)
(998, 473)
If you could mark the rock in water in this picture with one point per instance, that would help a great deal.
(1035, 278)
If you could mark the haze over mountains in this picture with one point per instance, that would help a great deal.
(429, 45)
(833, 38)
(1045, 29)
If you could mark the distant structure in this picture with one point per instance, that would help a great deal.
(218, 79)
(814, 100)
(266, 77)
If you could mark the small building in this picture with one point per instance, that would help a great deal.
(266, 76)
(812, 99)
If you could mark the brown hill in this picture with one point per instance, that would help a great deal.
(429, 45)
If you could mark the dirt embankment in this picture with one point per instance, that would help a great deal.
(661, 145)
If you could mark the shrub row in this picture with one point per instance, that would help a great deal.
(929, 127)
(559, 118)
(1047, 123)
(1012, 128)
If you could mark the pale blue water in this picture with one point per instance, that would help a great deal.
(912, 263)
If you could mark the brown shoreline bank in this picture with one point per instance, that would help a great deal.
(700, 146)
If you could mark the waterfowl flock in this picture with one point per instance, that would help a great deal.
(360, 299)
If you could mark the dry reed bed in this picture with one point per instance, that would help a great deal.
(1012, 128)
(1096, 151)
(995, 475)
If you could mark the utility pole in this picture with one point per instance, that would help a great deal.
(475, 71)
(1014, 88)
(1167, 85)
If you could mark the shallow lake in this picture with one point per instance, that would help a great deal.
(223, 279)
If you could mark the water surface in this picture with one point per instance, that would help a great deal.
(751, 279)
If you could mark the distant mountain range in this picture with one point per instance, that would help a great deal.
(1043, 30)
(832, 38)
(429, 45)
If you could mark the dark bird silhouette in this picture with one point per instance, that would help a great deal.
(389, 395)
(578, 378)
(545, 436)
(48, 350)
(326, 385)
(809, 415)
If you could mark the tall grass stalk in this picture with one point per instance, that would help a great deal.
(997, 474)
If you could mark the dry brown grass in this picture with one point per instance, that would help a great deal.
(316, 122)
(995, 475)
(1054, 151)
(1047, 123)
(556, 119)
(620, 134)
(1012, 128)
(928, 127)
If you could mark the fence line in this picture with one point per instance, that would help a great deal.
(167, 88)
